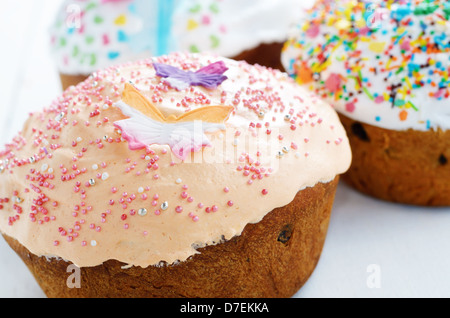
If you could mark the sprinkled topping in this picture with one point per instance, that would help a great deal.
(385, 63)
(85, 187)
(209, 76)
(90, 35)
(96, 34)
(228, 28)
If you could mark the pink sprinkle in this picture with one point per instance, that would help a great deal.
(179, 209)
(350, 107)
(105, 39)
(206, 20)
(379, 99)
(313, 31)
(406, 45)
(265, 192)
(230, 203)
(333, 83)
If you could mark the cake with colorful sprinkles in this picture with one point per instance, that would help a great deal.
(186, 175)
(95, 34)
(237, 29)
(88, 35)
(385, 67)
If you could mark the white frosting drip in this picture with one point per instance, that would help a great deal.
(415, 107)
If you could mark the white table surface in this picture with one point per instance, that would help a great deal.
(373, 248)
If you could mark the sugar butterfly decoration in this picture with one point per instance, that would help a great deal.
(146, 125)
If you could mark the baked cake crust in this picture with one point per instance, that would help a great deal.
(272, 258)
(399, 166)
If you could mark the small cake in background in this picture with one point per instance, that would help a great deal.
(239, 29)
(186, 175)
(385, 67)
(90, 35)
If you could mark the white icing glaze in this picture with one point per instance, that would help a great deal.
(328, 33)
(88, 35)
(229, 27)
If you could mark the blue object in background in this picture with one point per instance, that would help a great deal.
(156, 33)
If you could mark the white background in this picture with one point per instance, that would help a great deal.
(373, 248)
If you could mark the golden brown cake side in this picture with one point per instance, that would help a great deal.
(272, 258)
(400, 166)
(71, 80)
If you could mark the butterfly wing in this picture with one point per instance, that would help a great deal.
(146, 125)
(214, 68)
(188, 137)
(132, 97)
(139, 130)
(164, 70)
(209, 114)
